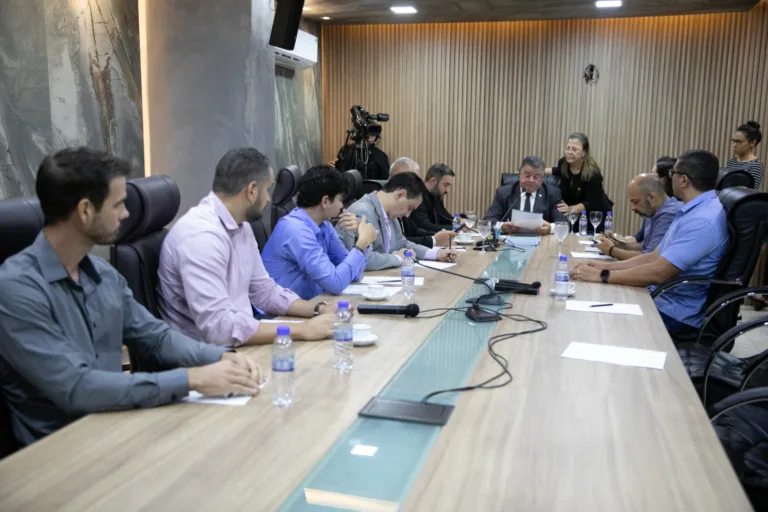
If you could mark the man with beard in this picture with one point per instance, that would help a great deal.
(431, 215)
(649, 199)
(65, 315)
(304, 253)
(211, 275)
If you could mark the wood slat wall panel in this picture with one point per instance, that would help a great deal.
(481, 96)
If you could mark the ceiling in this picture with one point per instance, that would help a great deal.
(348, 12)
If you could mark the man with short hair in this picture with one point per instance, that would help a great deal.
(431, 215)
(65, 315)
(304, 253)
(399, 198)
(649, 200)
(529, 194)
(693, 246)
(211, 274)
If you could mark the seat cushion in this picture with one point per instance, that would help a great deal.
(725, 376)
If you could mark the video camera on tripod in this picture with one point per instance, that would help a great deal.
(364, 126)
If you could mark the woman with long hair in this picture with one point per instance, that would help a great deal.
(743, 143)
(581, 180)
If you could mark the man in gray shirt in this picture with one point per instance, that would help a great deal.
(64, 315)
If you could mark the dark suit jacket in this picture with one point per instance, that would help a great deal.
(414, 234)
(431, 215)
(508, 199)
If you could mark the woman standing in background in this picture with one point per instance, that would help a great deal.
(743, 143)
(581, 180)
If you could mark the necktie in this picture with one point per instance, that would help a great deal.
(527, 207)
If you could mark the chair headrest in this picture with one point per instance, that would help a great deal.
(733, 197)
(286, 184)
(152, 203)
(21, 219)
(728, 178)
(354, 185)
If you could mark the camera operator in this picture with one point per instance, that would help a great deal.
(360, 150)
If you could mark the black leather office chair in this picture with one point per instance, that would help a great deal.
(747, 217)
(728, 178)
(21, 220)
(741, 424)
(371, 186)
(260, 233)
(354, 187)
(509, 178)
(286, 187)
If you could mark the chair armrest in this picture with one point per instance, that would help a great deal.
(750, 396)
(674, 283)
(724, 340)
(727, 300)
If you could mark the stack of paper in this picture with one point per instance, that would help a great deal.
(603, 307)
(439, 265)
(362, 289)
(527, 221)
(590, 255)
(387, 280)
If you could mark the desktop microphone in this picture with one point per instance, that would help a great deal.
(411, 310)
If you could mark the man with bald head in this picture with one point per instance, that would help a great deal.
(648, 199)
(412, 231)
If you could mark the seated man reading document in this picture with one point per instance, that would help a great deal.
(211, 275)
(304, 253)
(399, 198)
(529, 195)
(693, 246)
(65, 315)
(649, 200)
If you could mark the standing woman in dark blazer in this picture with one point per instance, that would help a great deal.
(581, 181)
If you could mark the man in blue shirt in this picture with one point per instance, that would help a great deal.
(693, 246)
(648, 199)
(304, 253)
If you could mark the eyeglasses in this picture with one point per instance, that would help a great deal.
(673, 172)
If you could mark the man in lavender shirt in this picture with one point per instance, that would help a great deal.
(211, 274)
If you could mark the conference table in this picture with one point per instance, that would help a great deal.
(564, 434)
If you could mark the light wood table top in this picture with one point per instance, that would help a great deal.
(564, 435)
(577, 435)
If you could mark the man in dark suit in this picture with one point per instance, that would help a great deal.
(529, 194)
(431, 216)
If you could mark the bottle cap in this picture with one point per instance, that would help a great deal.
(408, 254)
(609, 212)
(283, 330)
(456, 215)
(563, 257)
(343, 304)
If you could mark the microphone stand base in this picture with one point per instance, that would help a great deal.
(489, 299)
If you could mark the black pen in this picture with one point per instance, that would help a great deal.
(600, 305)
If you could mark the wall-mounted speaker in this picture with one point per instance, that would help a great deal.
(286, 24)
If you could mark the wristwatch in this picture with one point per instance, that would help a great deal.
(610, 251)
(318, 306)
(604, 275)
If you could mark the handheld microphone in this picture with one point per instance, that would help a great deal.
(409, 311)
(508, 286)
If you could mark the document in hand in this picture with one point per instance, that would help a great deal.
(527, 221)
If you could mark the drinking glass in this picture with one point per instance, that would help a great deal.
(471, 219)
(572, 218)
(484, 228)
(595, 218)
(561, 232)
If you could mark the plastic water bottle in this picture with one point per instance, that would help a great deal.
(608, 225)
(342, 338)
(407, 273)
(561, 278)
(456, 222)
(583, 224)
(283, 366)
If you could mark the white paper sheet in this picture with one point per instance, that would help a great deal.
(586, 242)
(362, 289)
(592, 249)
(282, 321)
(196, 398)
(616, 309)
(616, 355)
(390, 280)
(590, 256)
(527, 221)
(455, 248)
(440, 265)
